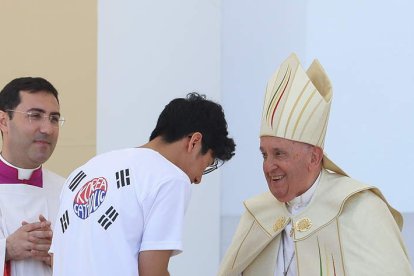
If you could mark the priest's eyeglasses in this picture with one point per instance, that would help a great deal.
(38, 117)
(216, 164)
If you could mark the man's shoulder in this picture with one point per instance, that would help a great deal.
(339, 188)
(336, 191)
(264, 208)
(334, 187)
(263, 200)
(335, 178)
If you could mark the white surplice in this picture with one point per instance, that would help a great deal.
(22, 202)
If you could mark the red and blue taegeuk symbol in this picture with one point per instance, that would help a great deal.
(90, 197)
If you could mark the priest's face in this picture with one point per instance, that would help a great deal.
(30, 136)
(287, 166)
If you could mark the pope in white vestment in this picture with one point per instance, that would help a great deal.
(316, 220)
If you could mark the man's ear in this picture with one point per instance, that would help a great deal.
(4, 121)
(195, 141)
(316, 156)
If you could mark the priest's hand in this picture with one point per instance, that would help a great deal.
(41, 250)
(31, 240)
(42, 243)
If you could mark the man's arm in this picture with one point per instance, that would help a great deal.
(154, 262)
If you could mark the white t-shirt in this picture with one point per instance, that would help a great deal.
(116, 205)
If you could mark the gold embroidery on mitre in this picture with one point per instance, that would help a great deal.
(303, 225)
(280, 222)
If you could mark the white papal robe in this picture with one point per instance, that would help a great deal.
(348, 229)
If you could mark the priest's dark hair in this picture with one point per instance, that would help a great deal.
(10, 94)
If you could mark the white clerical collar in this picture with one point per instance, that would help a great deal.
(300, 202)
(22, 174)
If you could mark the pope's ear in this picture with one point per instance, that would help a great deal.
(317, 155)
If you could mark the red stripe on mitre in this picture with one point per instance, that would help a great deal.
(281, 95)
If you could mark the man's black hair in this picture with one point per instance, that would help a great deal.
(184, 116)
(10, 95)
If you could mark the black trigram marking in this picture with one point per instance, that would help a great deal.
(108, 218)
(64, 221)
(122, 178)
(76, 180)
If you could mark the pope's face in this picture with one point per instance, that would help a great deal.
(286, 166)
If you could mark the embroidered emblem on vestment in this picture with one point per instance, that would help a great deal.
(280, 222)
(303, 225)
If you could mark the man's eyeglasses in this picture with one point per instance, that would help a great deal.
(216, 164)
(35, 117)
